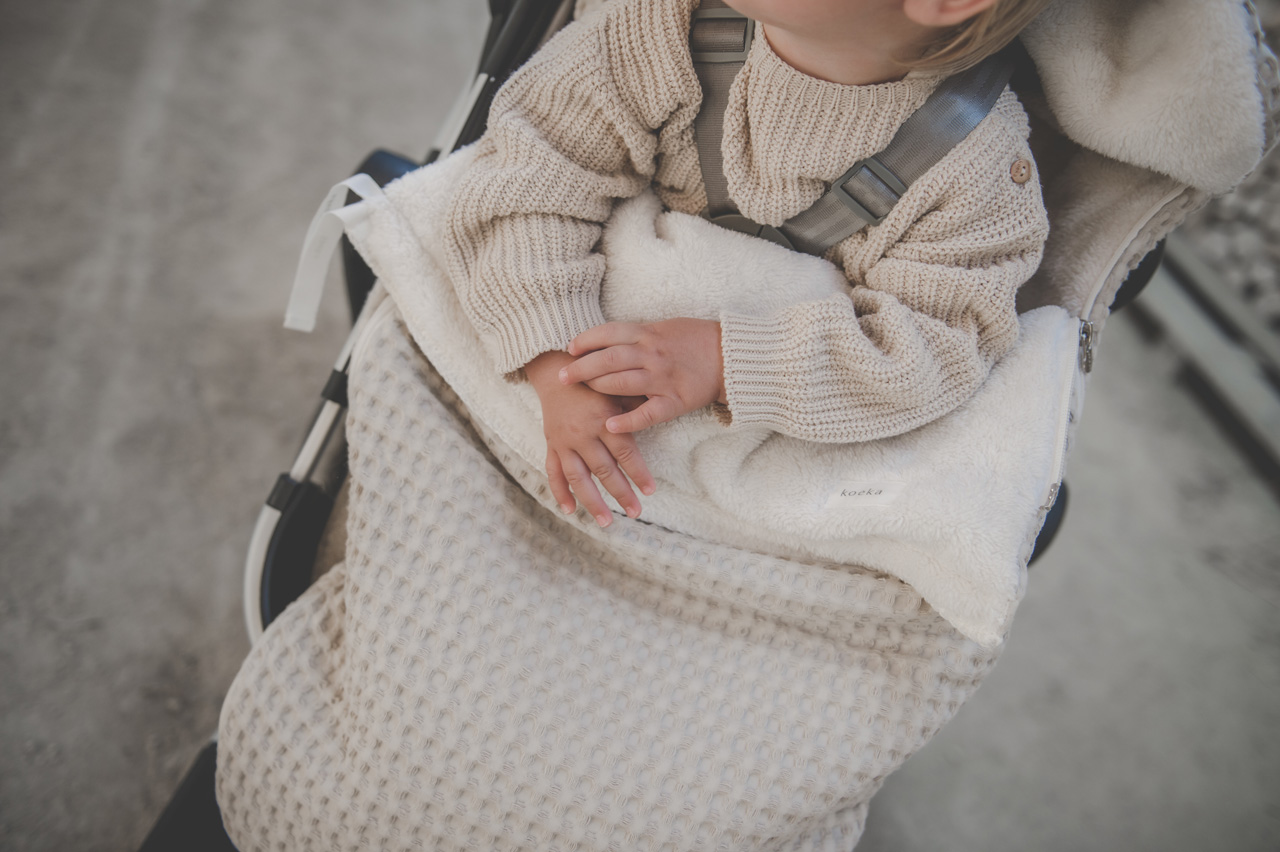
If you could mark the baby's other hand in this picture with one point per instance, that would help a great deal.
(676, 363)
(579, 447)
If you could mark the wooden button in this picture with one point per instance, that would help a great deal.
(1020, 171)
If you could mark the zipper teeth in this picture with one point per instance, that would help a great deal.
(1064, 419)
(1086, 337)
(1092, 301)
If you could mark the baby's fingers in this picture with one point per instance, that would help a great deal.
(600, 460)
(657, 409)
(601, 362)
(627, 383)
(593, 463)
(559, 484)
(602, 336)
(627, 453)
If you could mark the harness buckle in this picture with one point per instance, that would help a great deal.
(890, 187)
(743, 225)
(714, 33)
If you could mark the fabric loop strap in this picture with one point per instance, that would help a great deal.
(327, 227)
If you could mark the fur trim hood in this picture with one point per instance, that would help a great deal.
(1170, 85)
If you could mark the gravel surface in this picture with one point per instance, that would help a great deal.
(1239, 235)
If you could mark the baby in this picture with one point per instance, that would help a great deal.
(607, 108)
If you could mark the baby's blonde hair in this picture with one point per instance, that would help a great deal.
(968, 43)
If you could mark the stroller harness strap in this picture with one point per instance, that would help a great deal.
(719, 41)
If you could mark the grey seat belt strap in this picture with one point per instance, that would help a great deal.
(719, 39)
(866, 193)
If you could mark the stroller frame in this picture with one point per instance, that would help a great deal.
(287, 535)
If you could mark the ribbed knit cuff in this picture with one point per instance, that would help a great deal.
(516, 339)
(758, 384)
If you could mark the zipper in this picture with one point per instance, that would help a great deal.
(1078, 356)
(1088, 336)
(1091, 302)
(1052, 498)
(1086, 342)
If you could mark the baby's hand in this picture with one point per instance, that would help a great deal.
(676, 363)
(579, 447)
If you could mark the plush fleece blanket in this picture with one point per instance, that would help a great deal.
(951, 508)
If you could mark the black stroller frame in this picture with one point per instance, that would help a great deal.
(286, 538)
(287, 535)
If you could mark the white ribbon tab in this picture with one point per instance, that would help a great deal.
(327, 228)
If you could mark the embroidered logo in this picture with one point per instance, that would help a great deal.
(865, 494)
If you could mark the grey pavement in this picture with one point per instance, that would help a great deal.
(159, 162)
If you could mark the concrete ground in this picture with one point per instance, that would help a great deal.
(160, 160)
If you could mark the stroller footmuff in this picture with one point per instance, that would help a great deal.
(483, 672)
(714, 694)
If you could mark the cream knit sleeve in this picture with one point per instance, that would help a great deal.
(572, 131)
(932, 306)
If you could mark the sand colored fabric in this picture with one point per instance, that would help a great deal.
(482, 672)
(485, 674)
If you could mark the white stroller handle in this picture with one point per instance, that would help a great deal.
(331, 220)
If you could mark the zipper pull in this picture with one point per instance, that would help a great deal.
(1088, 334)
(1052, 498)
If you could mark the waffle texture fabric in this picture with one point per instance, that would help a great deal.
(606, 110)
(482, 673)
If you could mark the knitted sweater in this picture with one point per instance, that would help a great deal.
(607, 108)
